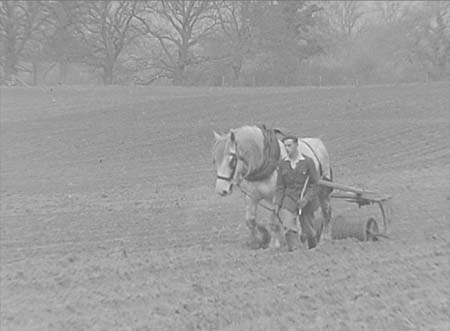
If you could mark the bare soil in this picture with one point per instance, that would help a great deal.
(109, 219)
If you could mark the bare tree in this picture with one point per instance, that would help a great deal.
(179, 26)
(430, 38)
(390, 12)
(20, 22)
(106, 28)
(345, 17)
(234, 18)
(61, 45)
(284, 34)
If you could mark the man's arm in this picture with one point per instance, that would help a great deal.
(312, 187)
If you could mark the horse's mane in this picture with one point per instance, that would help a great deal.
(250, 147)
(260, 149)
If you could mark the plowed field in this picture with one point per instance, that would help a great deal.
(109, 220)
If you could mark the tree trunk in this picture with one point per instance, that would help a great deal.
(63, 70)
(10, 62)
(236, 66)
(182, 63)
(108, 74)
(10, 42)
(236, 75)
(179, 75)
(34, 73)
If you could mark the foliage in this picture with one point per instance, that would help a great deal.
(22, 24)
(194, 42)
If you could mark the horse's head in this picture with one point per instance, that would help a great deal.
(227, 162)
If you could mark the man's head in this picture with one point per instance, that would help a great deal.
(291, 145)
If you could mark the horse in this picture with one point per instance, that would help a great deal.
(249, 155)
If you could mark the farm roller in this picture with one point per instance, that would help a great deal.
(362, 229)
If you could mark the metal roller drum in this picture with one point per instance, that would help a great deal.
(364, 230)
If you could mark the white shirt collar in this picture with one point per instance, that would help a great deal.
(295, 161)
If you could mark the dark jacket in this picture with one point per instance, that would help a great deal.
(290, 183)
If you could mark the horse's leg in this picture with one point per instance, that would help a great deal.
(325, 206)
(275, 232)
(250, 220)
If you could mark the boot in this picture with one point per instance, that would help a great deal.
(303, 238)
(312, 242)
(292, 240)
(307, 222)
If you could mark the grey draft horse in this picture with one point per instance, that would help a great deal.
(250, 155)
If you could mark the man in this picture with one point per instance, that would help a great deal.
(296, 190)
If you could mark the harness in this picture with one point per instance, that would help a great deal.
(271, 156)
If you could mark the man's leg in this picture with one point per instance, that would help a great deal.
(289, 221)
(306, 222)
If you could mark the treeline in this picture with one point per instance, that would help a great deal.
(223, 43)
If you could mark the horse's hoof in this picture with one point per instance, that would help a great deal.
(259, 238)
(253, 244)
(263, 236)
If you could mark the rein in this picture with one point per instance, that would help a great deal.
(259, 202)
(271, 209)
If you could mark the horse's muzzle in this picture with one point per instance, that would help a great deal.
(225, 191)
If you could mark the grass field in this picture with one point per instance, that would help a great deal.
(109, 219)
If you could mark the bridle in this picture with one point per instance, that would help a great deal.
(233, 166)
(235, 157)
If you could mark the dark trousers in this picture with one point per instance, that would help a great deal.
(306, 223)
(289, 221)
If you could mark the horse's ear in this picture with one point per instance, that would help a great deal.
(232, 136)
(280, 132)
(217, 136)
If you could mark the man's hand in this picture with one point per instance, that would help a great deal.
(302, 203)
